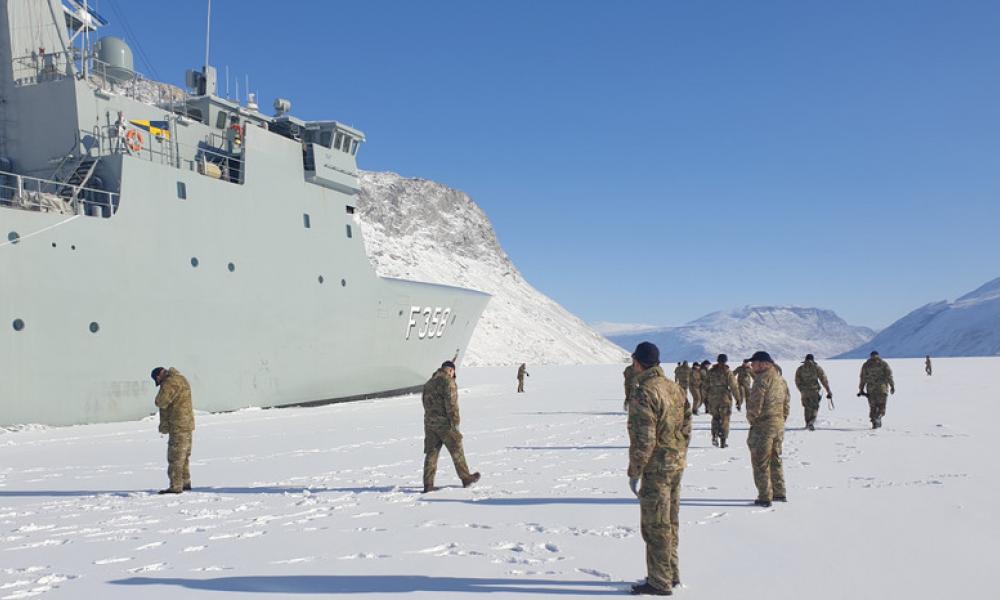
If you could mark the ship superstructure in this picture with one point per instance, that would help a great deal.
(143, 225)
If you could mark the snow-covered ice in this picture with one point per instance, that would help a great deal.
(324, 501)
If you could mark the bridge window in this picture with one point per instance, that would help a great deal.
(354, 147)
(326, 138)
(338, 140)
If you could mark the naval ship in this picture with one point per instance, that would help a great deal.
(146, 225)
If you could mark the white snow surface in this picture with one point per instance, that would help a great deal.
(607, 328)
(422, 230)
(786, 332)
(969, 326)
(324, 501)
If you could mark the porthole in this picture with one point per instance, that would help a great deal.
(13, 237)
(94, 327)
(18, 324)
(231, 267)
(53, 244)
(73, 247)
(349, 233)
(320, 279)
(306, 221)
(343, 283)
(182, 192)
(350, 209)
(194, 261)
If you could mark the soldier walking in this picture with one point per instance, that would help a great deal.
(441, 420)
(695, 383)
(522, 372)
(659, 432)
(681, 376)
(722, 388)
(744, 378)
(808, 378)
(176, 419)
(876, 377)
(927, 365)
(767, 410)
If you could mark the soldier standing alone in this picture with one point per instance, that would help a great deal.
(722, 388)
(876, 376)
(808, 378)
(441, 420)
(927, 365)
(744, 378)
(522, 372)
(176, 419)
(659, 430)
(767, 410)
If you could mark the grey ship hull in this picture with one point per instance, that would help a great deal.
(266, 334)
(248, 274)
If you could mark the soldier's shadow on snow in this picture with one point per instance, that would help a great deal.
(382, 584)
(567, 447)
(620, 501)
(210, 490)
(577, 412)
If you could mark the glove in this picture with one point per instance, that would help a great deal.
(829, 395)
(164, 429)
(892, 390)
(633, 484)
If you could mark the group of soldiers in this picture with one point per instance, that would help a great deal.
(659, 426)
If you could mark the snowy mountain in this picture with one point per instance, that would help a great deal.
(419, 229)
(786, 332)
(969, 326)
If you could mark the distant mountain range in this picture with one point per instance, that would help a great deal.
(969, 326)
(786, 332)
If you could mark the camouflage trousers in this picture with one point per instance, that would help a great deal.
(743, 396)
(659, 506)
(178, 459)
(720, 420)
(810, 401)
(450, 439)
(765, 441)
(876, 405)
(520, 384)
(695, 398)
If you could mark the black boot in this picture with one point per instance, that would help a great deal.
(169, 491)
(644, 589)
(764, 503)
(472, 479)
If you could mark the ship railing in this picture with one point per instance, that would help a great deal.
(45, 195)
(40, 67)
(217, 156)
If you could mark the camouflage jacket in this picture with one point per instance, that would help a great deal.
(682, 375)
(876, 376)
(659, 426)
(694, 379)
(809, 376)
(174, 402)
(769, 400)
(522, 371)
(440, 400)
(629, 375)
(721, 383)
(744, 376)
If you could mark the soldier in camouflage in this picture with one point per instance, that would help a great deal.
(767, 410)
(522, 372)
(659, 432)
(927, 365)
(808, 378)
(876, 378)
(744, 378)
(629, 375)
(682, 375)
(441, 421)
(695, 385)
(722, 388)
(177, 420)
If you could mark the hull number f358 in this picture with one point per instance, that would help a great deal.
(428, 322)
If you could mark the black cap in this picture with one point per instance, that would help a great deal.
(760, 356)
(722, 358)
(156, 373)
(874, 353)
(647, 354)
(810, 357)
(447, 363)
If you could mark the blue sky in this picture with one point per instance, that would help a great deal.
(653, 161)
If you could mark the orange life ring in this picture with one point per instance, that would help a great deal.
(133, 139)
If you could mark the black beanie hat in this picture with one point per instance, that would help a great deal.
(761, 356)
(447, 363)
(722, 359)
(647, 354)
(156, 373)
